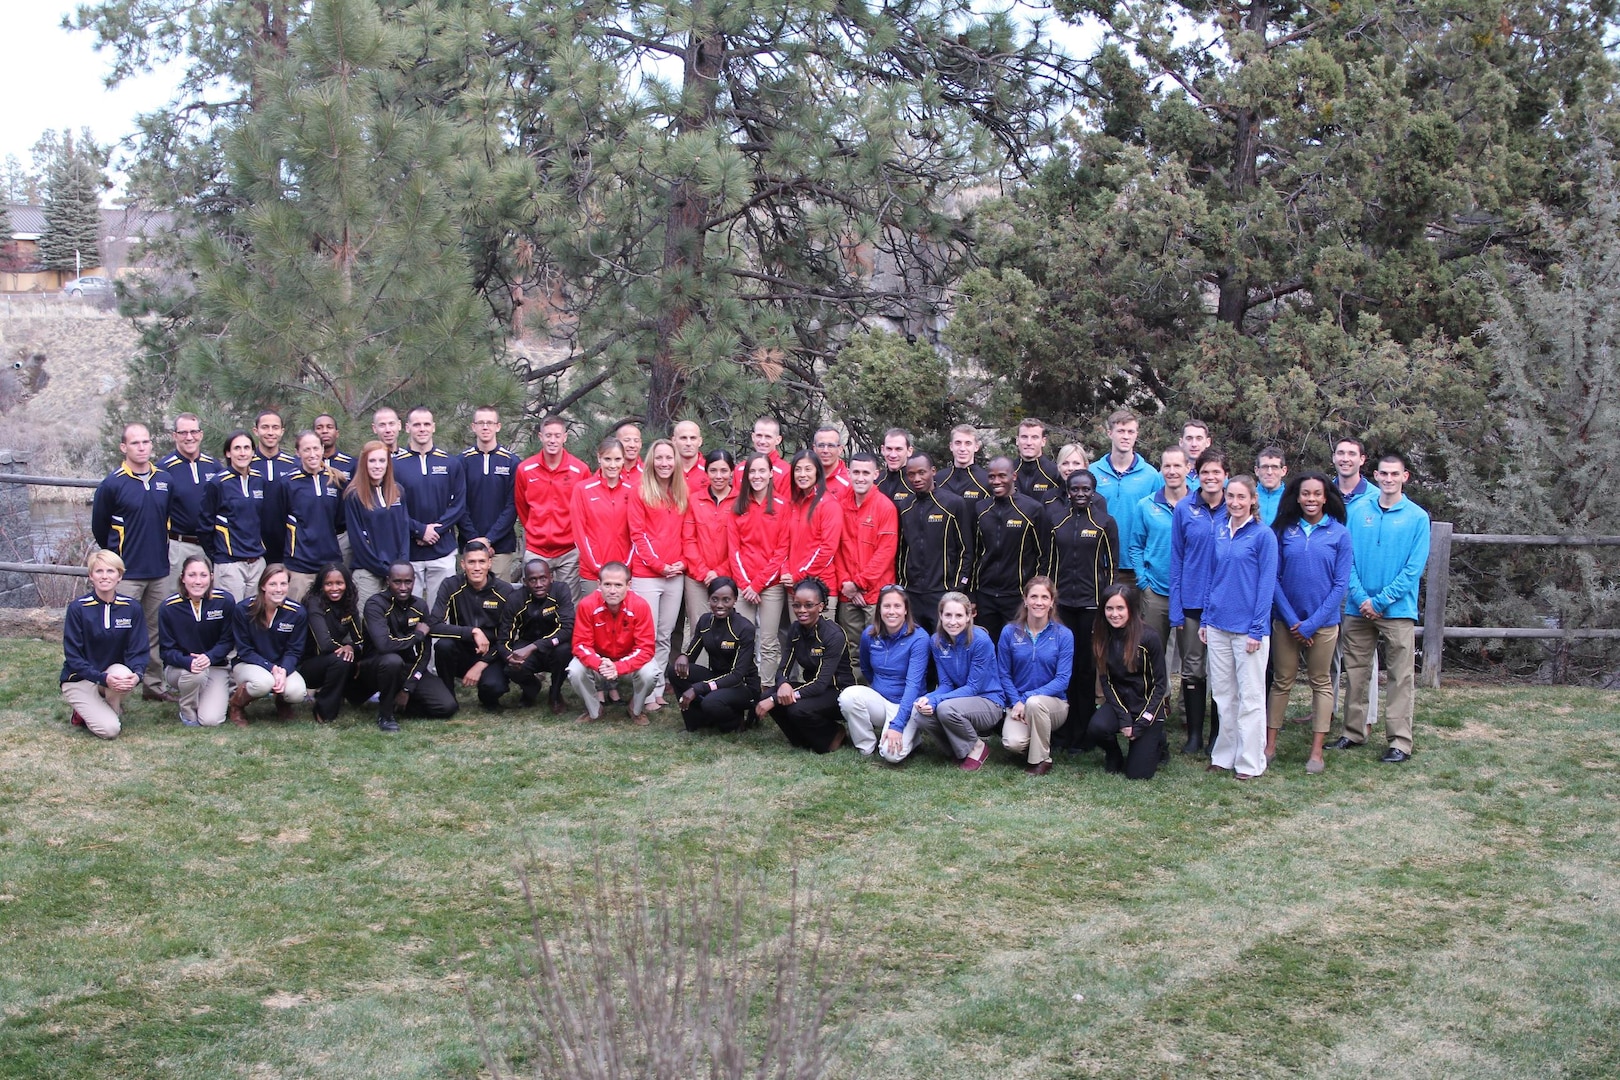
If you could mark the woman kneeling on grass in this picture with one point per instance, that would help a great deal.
(816, 649)
(894, 659)
(194, 640)
(337, 636)
(1130, 660)
(721, 694)
(269, 630)
(1236, 628)
(104, 649)
(1035, 659)
(968, 703)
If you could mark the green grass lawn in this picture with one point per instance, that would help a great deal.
(294, 901)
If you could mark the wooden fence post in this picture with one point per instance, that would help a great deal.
(1438, 571)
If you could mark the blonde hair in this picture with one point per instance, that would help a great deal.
(1074, 448)
(102, 557)
(654, 493)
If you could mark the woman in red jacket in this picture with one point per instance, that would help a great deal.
(815, 526)
(704, 548)
(756, 533)
(657, 568)
(600, 507)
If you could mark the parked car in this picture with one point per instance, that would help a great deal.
(88, 286)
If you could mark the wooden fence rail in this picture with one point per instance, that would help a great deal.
(1438, 573)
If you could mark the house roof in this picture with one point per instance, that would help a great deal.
(117, 222)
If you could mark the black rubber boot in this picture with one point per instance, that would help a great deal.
(1192, 707)
(1214, 723)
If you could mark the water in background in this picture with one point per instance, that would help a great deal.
(55, 522)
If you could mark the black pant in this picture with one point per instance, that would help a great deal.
(728, 709)
(811, 722)
(327, 677)
(456, 658)
(1141, 761)
(429, 696)
(995, 612)
(924, 609)
(1082, 680)
(545, 660)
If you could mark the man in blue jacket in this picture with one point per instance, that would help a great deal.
(490, 469)
(1389, 543)
(1125, 478)
(130, 518)
(435, 499)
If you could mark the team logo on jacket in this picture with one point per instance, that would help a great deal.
(122, 623)
(285, 627)
(492, 603)
(1015, 523)
(440, 470)
(258, 494)
(210, 616)
(503, 470)
(936, 517)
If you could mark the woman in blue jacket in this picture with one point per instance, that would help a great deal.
(270, 632)
(379, 526)
(1235, 629)
(1313, 572)
(894, 659)
(1035, 659)
(104, 649)
(233, 504)
(1192, 538)
(967, 703)
(194, 640)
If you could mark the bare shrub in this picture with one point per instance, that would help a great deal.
(705, 976)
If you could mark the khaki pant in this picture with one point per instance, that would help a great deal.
(507, 567)
(1285, 656)
(1359, 639)
(203, 695)
(240, 579)
(1042, 716)
(585, 683)
(564, 568)
(101, 709)
(179, 552)
(366, 585)
(664, 596)
(298, 585)
(767, 619)
(257, 682)
(853, 617)
(150, 594)
(697, 606)
(431, 574)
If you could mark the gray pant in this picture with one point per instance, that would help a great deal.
(1192, 650)
(240, 579)
(853, 618)
(150, 594)
(960, 722)
(203, 695)
(585, 683)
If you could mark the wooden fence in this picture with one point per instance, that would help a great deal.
(1438, 573)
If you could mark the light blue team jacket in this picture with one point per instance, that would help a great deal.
(1124, 490)
(1389, 550)
(1148, 544)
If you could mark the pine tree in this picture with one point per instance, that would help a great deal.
(345, 284)
(73, 186)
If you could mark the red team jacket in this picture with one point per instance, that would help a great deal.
(758, 543)
(704, 546)
(655, 537)
(544, 496)
(627, 638)
(601, 526)
(871, 537)
(813, 543)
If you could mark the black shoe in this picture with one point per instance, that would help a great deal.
(530, 698)
(1393, 756)
(388, 725)
(1342, 743)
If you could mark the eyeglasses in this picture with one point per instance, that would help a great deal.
(806, 605)
(187, 431)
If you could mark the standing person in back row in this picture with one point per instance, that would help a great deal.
(272, 461)
(1037, 474)
(1011, 544)
(1149, 542)
(1124, 479)
(1349, 455)
(936, 553)
(544, 494)
(130, 518)
(828, 443)
(1270, 469)
(1192, 546)
(1082, 549)
(189, 471)
(866, 547)
(1389, 543)
(965, 479)
(490, 470)
(435, 497)
(896, 452)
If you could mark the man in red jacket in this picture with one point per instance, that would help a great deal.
(866, 553)
(614, 638)
(543, 490)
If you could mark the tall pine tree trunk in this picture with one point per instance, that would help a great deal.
(688, 209)
(1233, 282)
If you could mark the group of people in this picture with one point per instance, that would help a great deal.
(883, 597)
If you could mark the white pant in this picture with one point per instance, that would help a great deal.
(1237, 682)
(867, 715)
(583, 680)
(664, 595)
(257, 682)
(430, 575)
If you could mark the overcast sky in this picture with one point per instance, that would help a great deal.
(53, 78)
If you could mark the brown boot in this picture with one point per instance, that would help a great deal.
(238, 702)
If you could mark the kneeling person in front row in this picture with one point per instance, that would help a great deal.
(614, 638)
(541, 638)
(270, 631)
(104, 649)
(815, 650)
(472, 619)
(397, 630)
(194, 639)
(722, 694)
(1130, 660)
